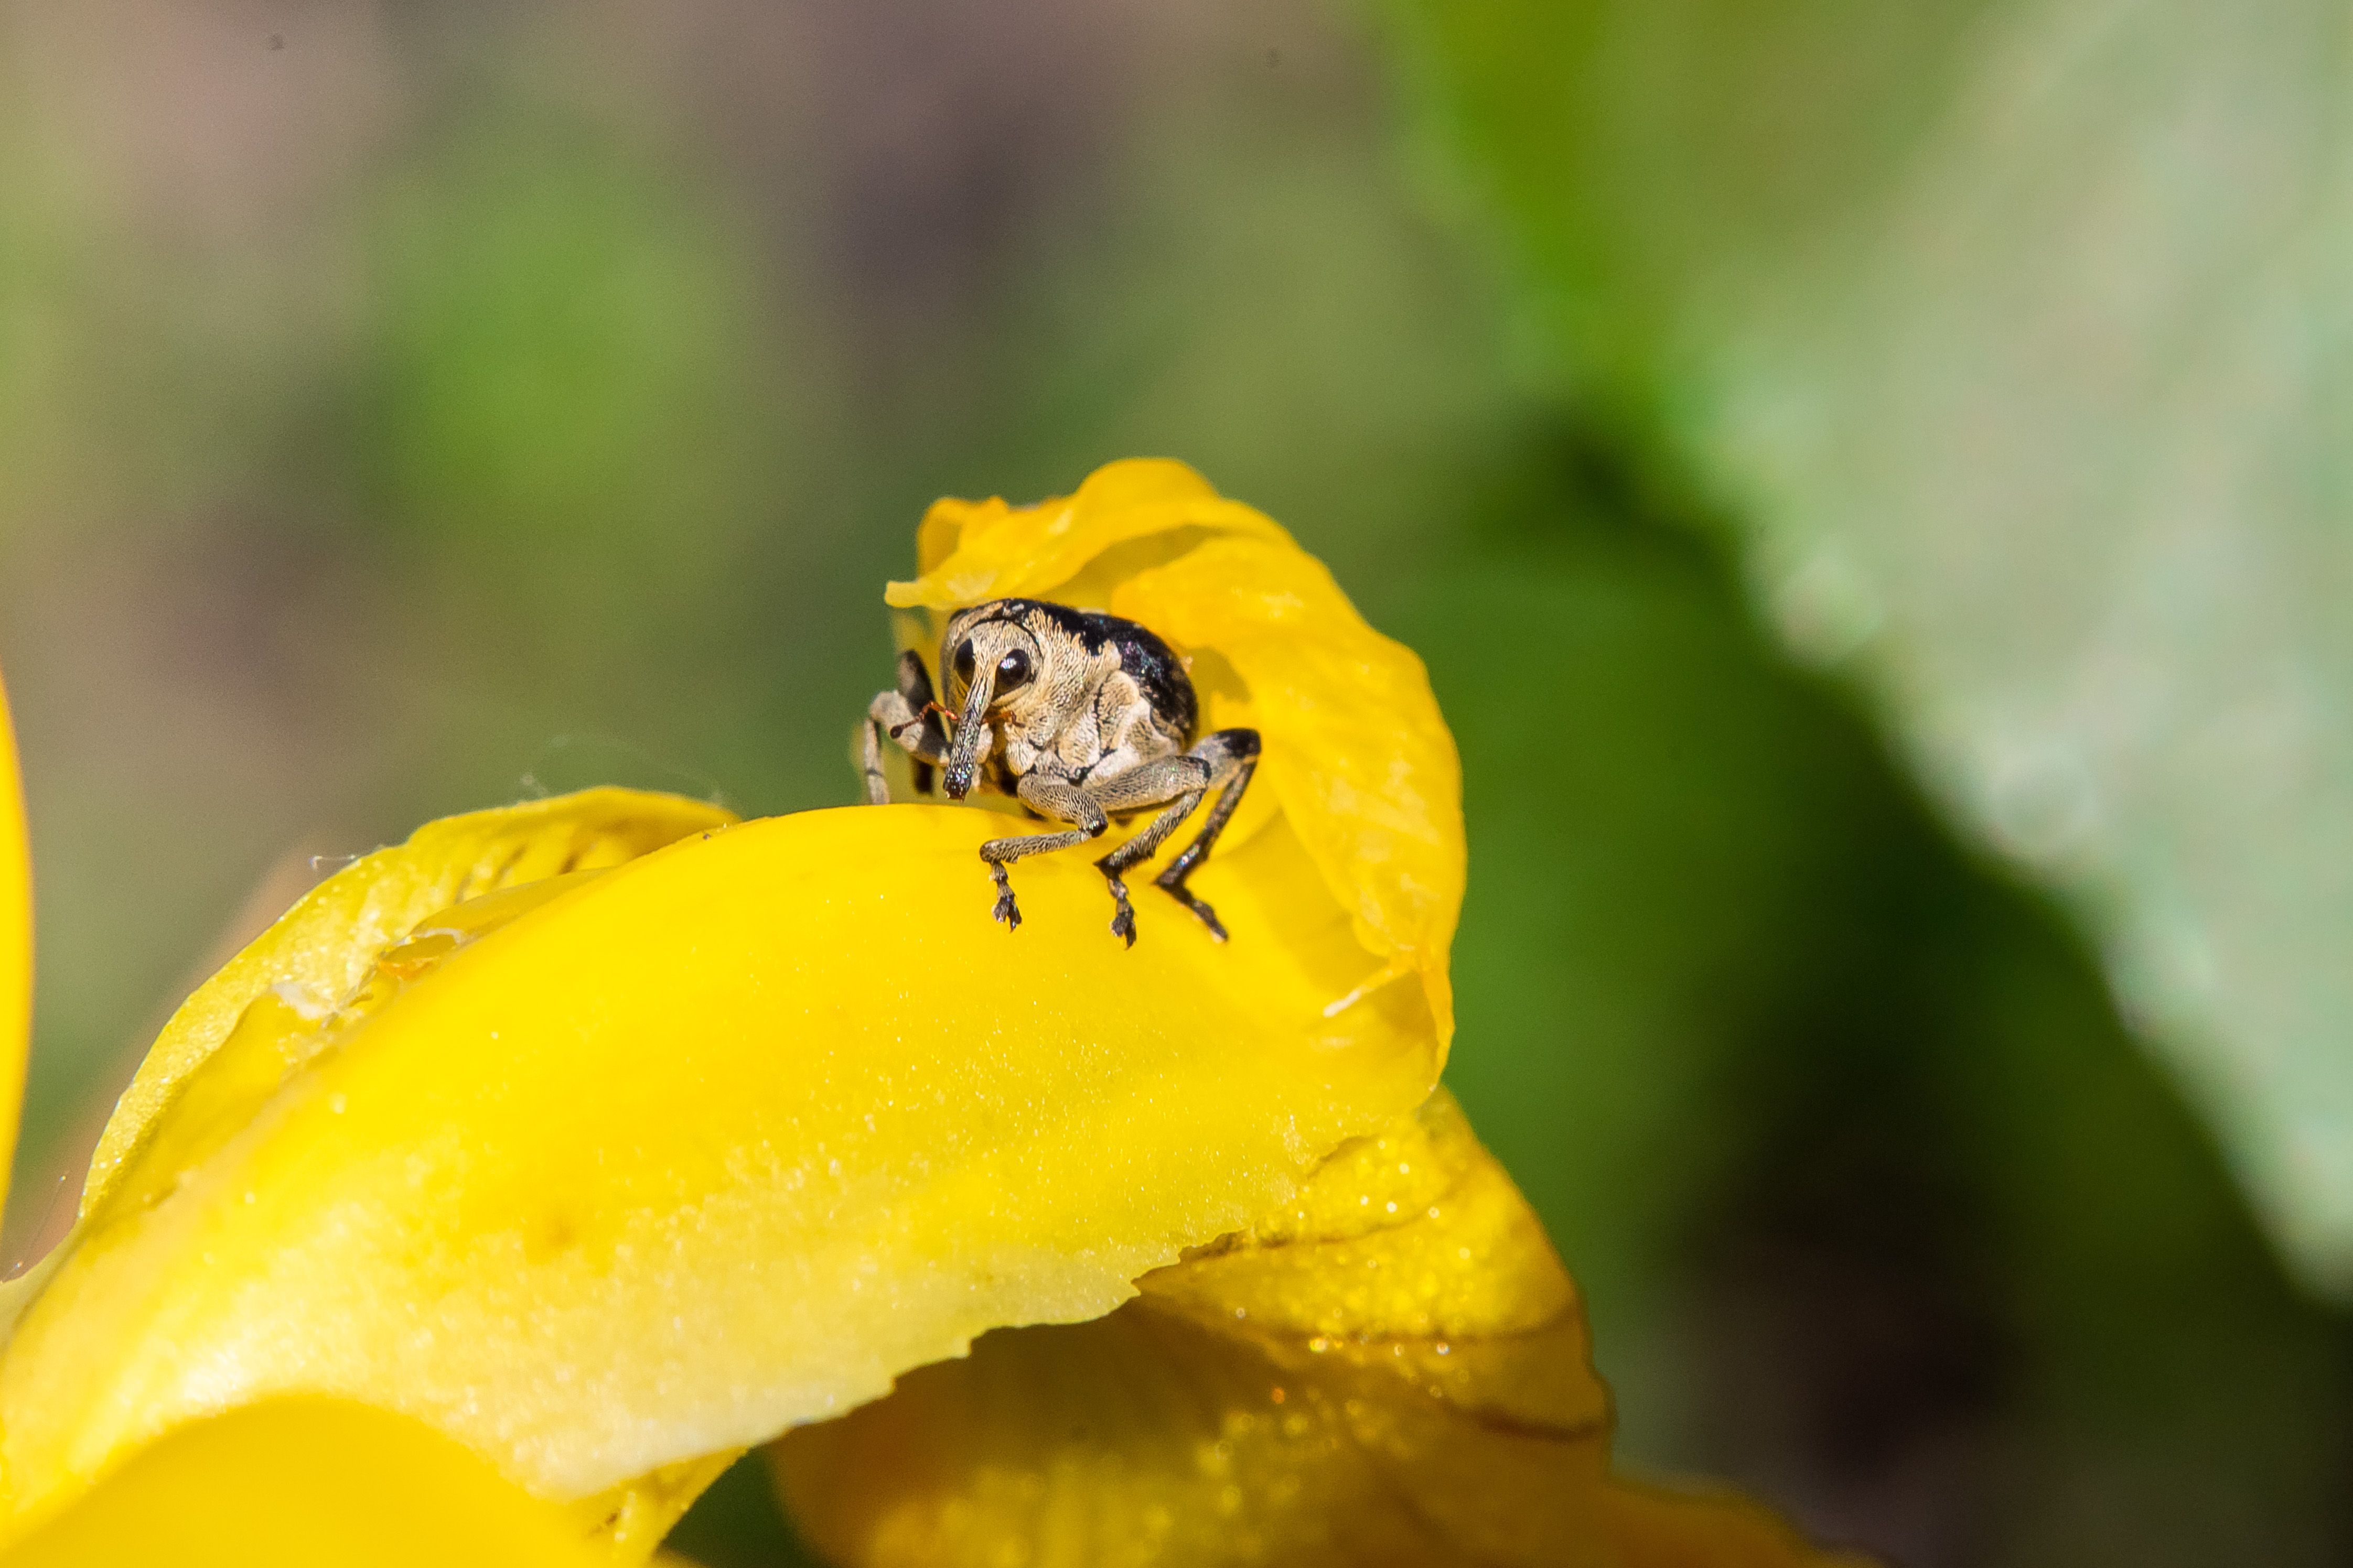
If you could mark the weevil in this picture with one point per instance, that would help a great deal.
(1084, 718)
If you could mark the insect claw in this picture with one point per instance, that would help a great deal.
(1201, 910)
(1123, 920)
(1007, 910)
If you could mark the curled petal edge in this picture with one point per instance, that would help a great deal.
(1390, 1366)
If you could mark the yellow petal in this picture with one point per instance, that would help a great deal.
(303, 1483)
(1357, 758)
(717, 1141)
(971, 550)
(1388, 1367)
(1356, 749)
(316, 956)
(15, 942)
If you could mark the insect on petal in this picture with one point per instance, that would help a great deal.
(1359, 769)
(606, 1136)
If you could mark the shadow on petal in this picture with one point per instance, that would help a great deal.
(1390, 1368)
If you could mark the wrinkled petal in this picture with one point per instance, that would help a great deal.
(345, 1484)
(316, 956)
(608, 1175)
(1390, 1366)
(1357, 758)
(15, 942)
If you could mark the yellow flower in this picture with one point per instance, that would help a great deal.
(550, 1159)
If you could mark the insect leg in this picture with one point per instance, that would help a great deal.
(915, 687)
(1047, 798)
(911, 719)
(869, 758)
(1180, 780)
(1232, 758)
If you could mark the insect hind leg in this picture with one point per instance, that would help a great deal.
(1232, 758)
(1178, 783)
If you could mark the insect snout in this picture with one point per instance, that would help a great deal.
(991, 665)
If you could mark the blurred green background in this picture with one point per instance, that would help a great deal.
(402, 409)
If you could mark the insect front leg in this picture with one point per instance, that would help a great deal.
(1047, 798)
(1180, 780)
(1232, 757)
(911, 719)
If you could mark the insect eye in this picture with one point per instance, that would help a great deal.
(964, 663)
(1013, 671)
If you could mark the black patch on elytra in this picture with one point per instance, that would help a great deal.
(1155, 667)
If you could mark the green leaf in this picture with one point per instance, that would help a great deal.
(2014, 339)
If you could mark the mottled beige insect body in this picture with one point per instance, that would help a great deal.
(1083, 717)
